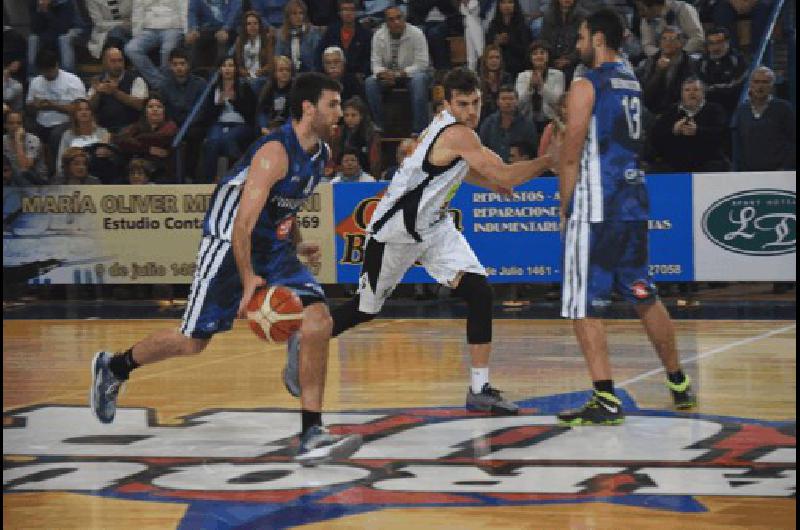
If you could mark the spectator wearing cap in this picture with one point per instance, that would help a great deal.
(352, 38)
(507, 125)
(211, 29)
(722, 69)
(157, 24)
(764, 132)
(399, 59)
(117, 94)
(658, 14)
(663, 74)
(111, 24)
(690, 135)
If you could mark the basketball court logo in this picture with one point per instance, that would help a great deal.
(241, 460)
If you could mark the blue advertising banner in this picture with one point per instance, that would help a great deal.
(518, 238)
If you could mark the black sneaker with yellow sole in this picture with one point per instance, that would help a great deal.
(682, 394)
(603, 408)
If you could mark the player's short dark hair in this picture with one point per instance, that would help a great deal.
(308, 86)
(651, 3)
(462, 79)
(609, 23)
(525, 148)
(46, 59)
(719, 30)
(179, 53)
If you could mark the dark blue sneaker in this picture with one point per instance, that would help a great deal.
(291, 372)
(105, 388)
(318, 446)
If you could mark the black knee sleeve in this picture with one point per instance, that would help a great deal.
(348, 316)
(477, 292)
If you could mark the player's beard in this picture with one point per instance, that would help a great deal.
(587, 58)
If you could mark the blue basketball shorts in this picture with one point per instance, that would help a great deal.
(217, 289)
(600, 258)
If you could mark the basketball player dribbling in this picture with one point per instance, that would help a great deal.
(411, 223)
(605, 206)
(250, 240)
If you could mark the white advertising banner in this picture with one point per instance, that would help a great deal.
(745, 226)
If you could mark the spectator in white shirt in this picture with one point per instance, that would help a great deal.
(540, 88)
(658, 14)
(50, 97)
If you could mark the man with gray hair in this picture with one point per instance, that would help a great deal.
(664, 72)
(334, 65)
(764, 130)
(400, 58)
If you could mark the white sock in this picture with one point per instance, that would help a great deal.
(479, 377)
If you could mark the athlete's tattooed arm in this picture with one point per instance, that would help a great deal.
(269, 165)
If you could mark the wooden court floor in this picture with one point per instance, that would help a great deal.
(203, 442)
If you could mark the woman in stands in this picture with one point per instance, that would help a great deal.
(297, 38)
(151, 138)
(255, 51)
(510, 31)
(272, 109)
(492, 76)
(232, 122)
(540, 88)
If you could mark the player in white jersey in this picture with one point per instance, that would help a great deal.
(411, 224)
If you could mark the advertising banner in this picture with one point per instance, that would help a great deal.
(518, 238)
(123, 234)
(745, 226)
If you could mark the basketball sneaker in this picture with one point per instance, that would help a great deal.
(682, 394)
(105, 388)
(291, 372)
(318, 446)
(603, 408)
(490, 400)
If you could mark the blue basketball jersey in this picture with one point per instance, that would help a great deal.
(610, 185)
(273, 228)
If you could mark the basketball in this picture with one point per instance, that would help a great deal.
(274, 313)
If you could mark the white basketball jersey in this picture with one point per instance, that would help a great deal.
(416, 201)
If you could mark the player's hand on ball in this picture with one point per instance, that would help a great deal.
(249, 286)
(310, 251)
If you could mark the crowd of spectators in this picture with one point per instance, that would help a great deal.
(156, 59)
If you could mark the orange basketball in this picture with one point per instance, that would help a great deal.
(274, 313)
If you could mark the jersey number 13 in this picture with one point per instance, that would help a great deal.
(633, 114)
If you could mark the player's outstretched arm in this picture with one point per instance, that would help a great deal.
(580, 100)
(488, 169)
(268, 166)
